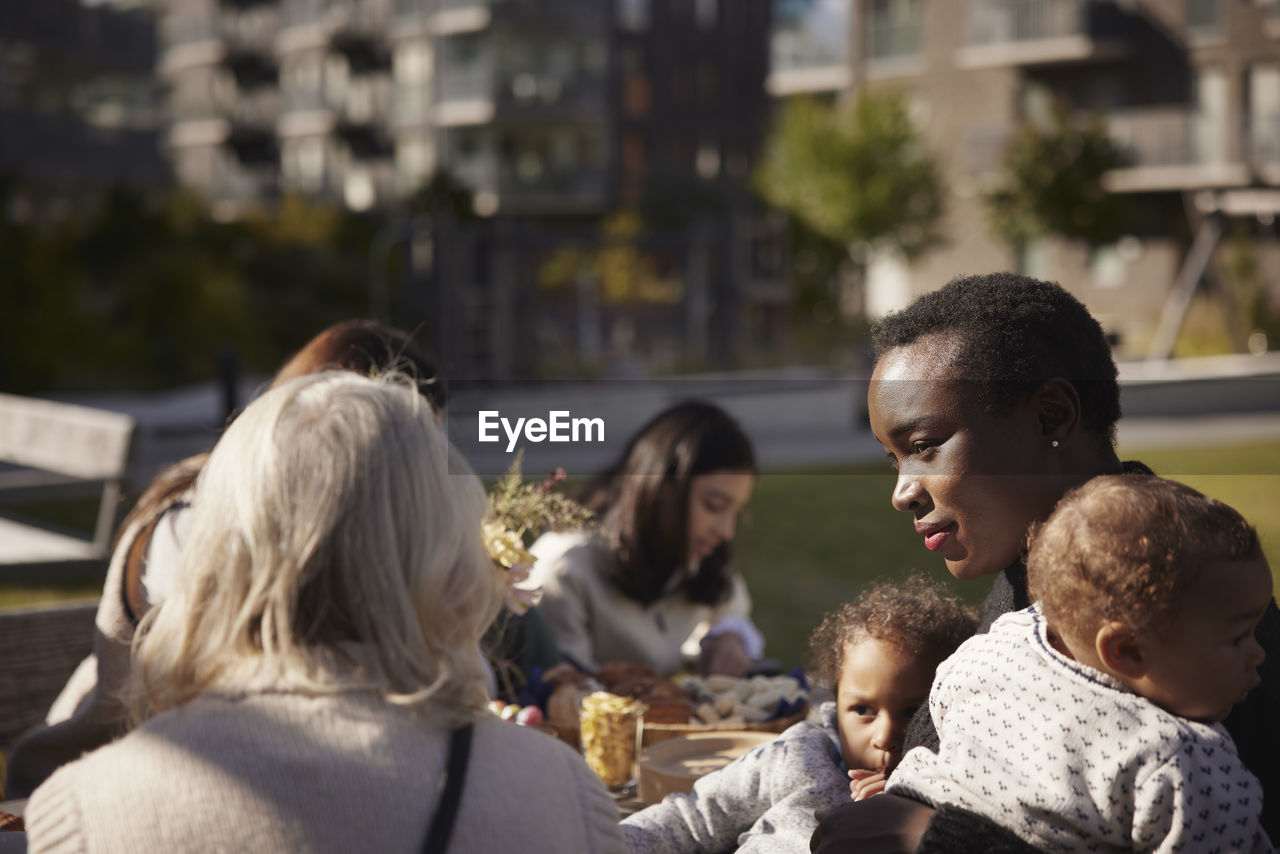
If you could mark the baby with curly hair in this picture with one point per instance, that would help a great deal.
(877, 655)
(1091, 720)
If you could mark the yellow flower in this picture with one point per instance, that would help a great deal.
(506, 547)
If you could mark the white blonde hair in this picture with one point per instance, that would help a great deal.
(335, 545)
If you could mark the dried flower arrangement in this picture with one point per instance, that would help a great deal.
(519, 512)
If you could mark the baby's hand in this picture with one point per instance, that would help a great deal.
(863, 784)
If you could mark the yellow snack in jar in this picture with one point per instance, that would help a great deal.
(610, 728)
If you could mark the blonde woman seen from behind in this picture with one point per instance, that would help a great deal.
(301, 686)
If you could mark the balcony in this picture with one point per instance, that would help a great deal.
(1041, 32)
(810, 53)
(1264, 148)
(477, 93)
(413, 104)
(249, 48)
(359, 32)
(1175, 149)
(516, 191)
(455, 17)
(473, 82)
(245, 125)
(189, 41)
(362, 118)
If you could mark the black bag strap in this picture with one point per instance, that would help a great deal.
(455, 774)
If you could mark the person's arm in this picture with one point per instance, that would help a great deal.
(565, 605)
(727, 641)
(722, 805)
(892, 824)
(785, 780)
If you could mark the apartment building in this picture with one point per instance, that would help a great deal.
(78, 102)
(1189, 90)
(542, 107)
(268, 96)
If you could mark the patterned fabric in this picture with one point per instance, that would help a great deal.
(1070, 759)
(761, 802)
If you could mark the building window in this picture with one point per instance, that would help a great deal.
(412, 64)
(708, 81)
(635, 95)
(809, 34)
(633, 153)
(707, 161)
(1264, 113)
(358, 190)
(1204, 18)
(633, 14)
(413, 163)
(706, 12)
(894, 29)
(302, 162)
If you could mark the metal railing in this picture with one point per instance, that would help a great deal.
(303, 99)
(892, 40)
(796, 49)
(994, 22)
(1175, 136)
(1264, 140)
(448, 5)
(464, 83)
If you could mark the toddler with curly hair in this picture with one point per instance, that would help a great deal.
(1091, 720)
(877, 655)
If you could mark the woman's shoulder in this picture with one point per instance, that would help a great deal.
(535, 774)
(569, 552)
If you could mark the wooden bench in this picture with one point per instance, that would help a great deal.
(47, 448)
(39, 650)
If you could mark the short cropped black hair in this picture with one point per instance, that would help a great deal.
(1014, 333)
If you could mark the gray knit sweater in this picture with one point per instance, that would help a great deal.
(276, 772)
(761, 802)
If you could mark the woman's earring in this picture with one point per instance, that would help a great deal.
(1054, 443)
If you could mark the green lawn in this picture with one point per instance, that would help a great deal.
(812, 541)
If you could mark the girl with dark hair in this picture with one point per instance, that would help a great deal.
(657, 585)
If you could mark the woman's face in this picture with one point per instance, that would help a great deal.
(973, 482)
(715, 499)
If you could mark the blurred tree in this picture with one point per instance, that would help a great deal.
(858, 175)
(133, 291)
(621, 269)
(1051, 183)
(444, 193)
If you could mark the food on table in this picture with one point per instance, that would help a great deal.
(727, 701)
(722, 702)
(667, 702)
(565, 700)
(522, 715)
(529, 716)
(610, 735)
